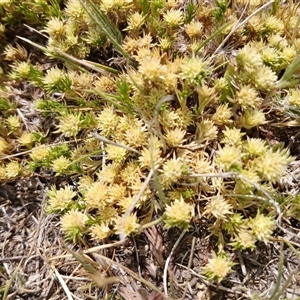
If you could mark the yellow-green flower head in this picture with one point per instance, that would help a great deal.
(96, 196)
(252, 118)
(152, 70)
(60, 165)
(84, 183)
(169, 119)
(126, 225)
(218, 267)
(247, 97)
(255, 147)
(249, 59)
(173, 17)
(130, 173)
(229, 158)
(135, 136)
(294, 97)
(73, 223)
(273, 25)
(232, 136)
(80, 80)
(151, 156)
(219, 208)
(179, 214)
(109, 5)
(22, 68)
(263, 227)
(69, 125)
(108, 214)
(175, 137)
(288, 54)
(99, 232)
(244, 239)
(264, 78)
(243, 186)
(105, 84)
(206, 131)
(222, 115)
(278, 41)
(26, 139)
(39, 154)
(115, 153)
(194, 29)
(271, 57)
(109, 173)
(130, 45)
(165, 43)
(194, 70)
(135, 21)
(3, 145)
(272, 165)
(13, 169)
(173, 169)
(125, 202)
(115, 192)
(74, 10)
(234, 223)
(59, 200)
(135, 189)
(13, 122)
(15, 53)
(56, 78)
(55, 28)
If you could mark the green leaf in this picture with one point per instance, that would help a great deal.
(73, 61)
(105, 25)
(287, 79)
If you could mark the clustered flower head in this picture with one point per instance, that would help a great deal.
(219, 208)
(218, 267)
(262, 227)
(173, 169)
(179, 214)
(126, 225)
(69, 125)
(59, 200)
(73, 223)
(194, 70)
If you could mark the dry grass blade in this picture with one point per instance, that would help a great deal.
(90, 250)
(168, 260)
(279, 290)
(98, 277)
(63, 284)
(134, 275)
(10, 282)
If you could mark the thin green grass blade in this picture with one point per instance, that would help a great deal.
(105, 25)
(75, 62)
(287, 79)
(217, 32)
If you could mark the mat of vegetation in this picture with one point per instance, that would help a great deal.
(149, 149)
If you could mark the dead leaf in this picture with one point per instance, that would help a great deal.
(156, 245)
(103, 281)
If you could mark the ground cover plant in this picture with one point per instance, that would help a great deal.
(149, 149)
